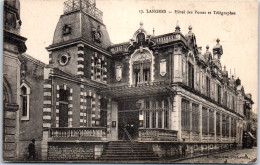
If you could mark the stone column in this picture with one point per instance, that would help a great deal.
(229, 133)
(114, 117)
(220, 114)
(176, 116)
(215, 125)
(191, 121)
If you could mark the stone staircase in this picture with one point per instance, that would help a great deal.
(124, 150)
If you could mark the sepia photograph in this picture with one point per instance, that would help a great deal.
(117, 81)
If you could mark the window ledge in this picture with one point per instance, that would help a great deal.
(25, 118)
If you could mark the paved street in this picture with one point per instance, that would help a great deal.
(242, 156)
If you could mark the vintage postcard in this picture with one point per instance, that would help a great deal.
(117, 81)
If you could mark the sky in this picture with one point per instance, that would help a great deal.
(238, 33)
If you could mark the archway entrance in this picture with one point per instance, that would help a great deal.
(128, 118)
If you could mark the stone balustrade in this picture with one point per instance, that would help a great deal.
(81, 134)
(146, 134)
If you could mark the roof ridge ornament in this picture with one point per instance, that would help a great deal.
(190, 29)
(207, 48)
(141, 25)
(177, 28)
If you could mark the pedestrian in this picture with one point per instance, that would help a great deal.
(184, 147)
(31, 150)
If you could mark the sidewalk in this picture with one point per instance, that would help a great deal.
(241, 156)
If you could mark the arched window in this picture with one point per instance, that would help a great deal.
(25, 101)
(141, 68)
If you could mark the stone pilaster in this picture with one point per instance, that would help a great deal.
(57, 106)
(176, 115)
(215, 125)
(82, 113)
(177, 64)
(80, 64)
(70, 108)
(220, 126)
(114, 117)
(47, 111)
(93, 110)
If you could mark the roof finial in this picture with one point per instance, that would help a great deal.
(190, 29)
(153, 31)
(224, 67)
(218, 41)
(177, 28)
(207, 47)
(141, 24)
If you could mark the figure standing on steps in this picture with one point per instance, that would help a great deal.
(183, 148)
(31, 150)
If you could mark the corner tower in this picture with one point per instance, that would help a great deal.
(80, 41)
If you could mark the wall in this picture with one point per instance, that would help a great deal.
(32, 128)
(71, 151)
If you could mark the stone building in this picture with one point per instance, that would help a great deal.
(153, 91)
(13, 47)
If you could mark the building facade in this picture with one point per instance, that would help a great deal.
(152, 90)
(13, 47)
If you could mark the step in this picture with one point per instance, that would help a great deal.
(121, 150)
(128, 154)
(130, 158)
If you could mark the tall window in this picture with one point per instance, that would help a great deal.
(211, 122)
(224, 125)
(190, 75)
(147, 114)
(89, 109)
(208, 86)
(233, 103)
(227, 126)
(218, 123)
(103, 112)
(185, 115)
(205, 120)
(166, 114)
(195, 117)
(25, 98)
(225, 99)
(219, 94)
(233, 127)
(141, 70)
(159, 115)
(153, 114)
(63, 108)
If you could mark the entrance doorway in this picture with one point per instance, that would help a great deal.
(130, 121)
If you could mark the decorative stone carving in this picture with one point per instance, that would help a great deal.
(163, 67)
(97, 34)
(118, 72)
(66, 30)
